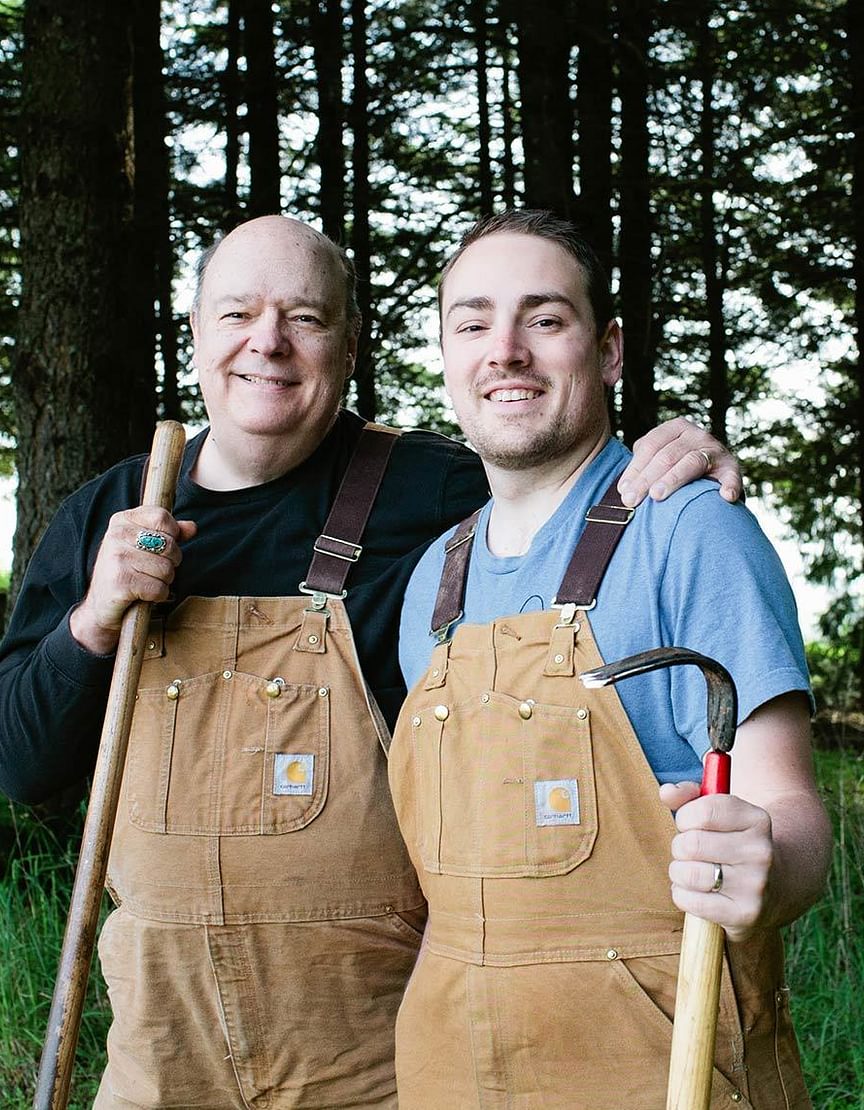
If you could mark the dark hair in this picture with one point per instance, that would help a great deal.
(352, 309)
(545, 225)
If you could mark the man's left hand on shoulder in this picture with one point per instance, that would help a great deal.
(674, 454)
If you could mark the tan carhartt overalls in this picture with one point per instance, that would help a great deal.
(547, 977)
(269, 915)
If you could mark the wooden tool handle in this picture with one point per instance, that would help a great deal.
(64, 1021)
(691, 1061)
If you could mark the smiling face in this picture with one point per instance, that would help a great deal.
(522, 361)
(273, 346)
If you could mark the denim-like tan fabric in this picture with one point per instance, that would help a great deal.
(269, 914)
(548, 974)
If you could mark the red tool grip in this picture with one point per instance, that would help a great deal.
(716, 773)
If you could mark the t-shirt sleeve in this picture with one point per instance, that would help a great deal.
(724, 592)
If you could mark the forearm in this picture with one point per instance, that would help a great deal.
(802, 842)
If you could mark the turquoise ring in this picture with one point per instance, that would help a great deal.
(154, 542)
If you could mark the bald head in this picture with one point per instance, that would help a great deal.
(279, 240)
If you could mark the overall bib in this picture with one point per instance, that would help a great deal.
(548, 972)
(268, 913)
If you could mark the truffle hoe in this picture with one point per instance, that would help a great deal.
(697, 999)
(61, 1038)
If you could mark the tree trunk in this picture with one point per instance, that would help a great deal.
(484, 167)
(855, 32)
(262, 109)
(231, 101)
(71, 384)
(361, 249)
(544, 44)
(508, 173)
(594, 121)
(151, 184)
(639, 399)
(718, 382)
(326, 24)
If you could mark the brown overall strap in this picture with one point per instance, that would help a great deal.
(338, 547)
(605, 525)
(606, 522)
(454, 575)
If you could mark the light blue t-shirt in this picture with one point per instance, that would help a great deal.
(692, 571)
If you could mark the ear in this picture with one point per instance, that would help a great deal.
(351, 355)
(611, 347)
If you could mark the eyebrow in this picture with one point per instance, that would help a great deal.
(529, 300)
(228, 299)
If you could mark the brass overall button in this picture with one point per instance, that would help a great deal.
(274, 687)
(323, 691)
(441, 712)
(611, 953)
(172, 692)
(416, 722)
(526, 710)
(581, 714)
(227, 674)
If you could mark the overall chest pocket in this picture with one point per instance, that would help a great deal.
(504, 787)
(220, 755)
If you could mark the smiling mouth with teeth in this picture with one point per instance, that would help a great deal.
(265, 381)
(514, 394)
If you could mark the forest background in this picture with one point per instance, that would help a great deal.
(713, 150)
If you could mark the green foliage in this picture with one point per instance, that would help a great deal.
(835, 662)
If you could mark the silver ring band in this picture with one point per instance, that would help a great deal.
(154, 542)
(717, 885)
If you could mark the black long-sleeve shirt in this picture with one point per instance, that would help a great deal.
(256, 541)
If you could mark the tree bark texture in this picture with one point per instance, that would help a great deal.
(718, 381)
(231, 97)
(594, 123)
(484, 164)
(262, 109)
(326, 25)
(71, 382)
(545, 37)
(150, 215)
(639, 399)
(508, 171)
(361, 247)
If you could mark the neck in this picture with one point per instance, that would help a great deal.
(523, 500)
(228, 460)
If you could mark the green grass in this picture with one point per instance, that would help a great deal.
(825, 956)
(34, 900)
(825, 950)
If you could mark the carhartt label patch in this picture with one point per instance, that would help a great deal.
(293, 774)
(556, 802)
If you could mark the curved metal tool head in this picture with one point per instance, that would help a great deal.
(722, 698)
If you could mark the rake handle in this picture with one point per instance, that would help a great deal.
(67, 1003)
(697, 999)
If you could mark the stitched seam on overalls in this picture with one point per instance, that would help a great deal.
(778, 1002)
(224, 1019)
